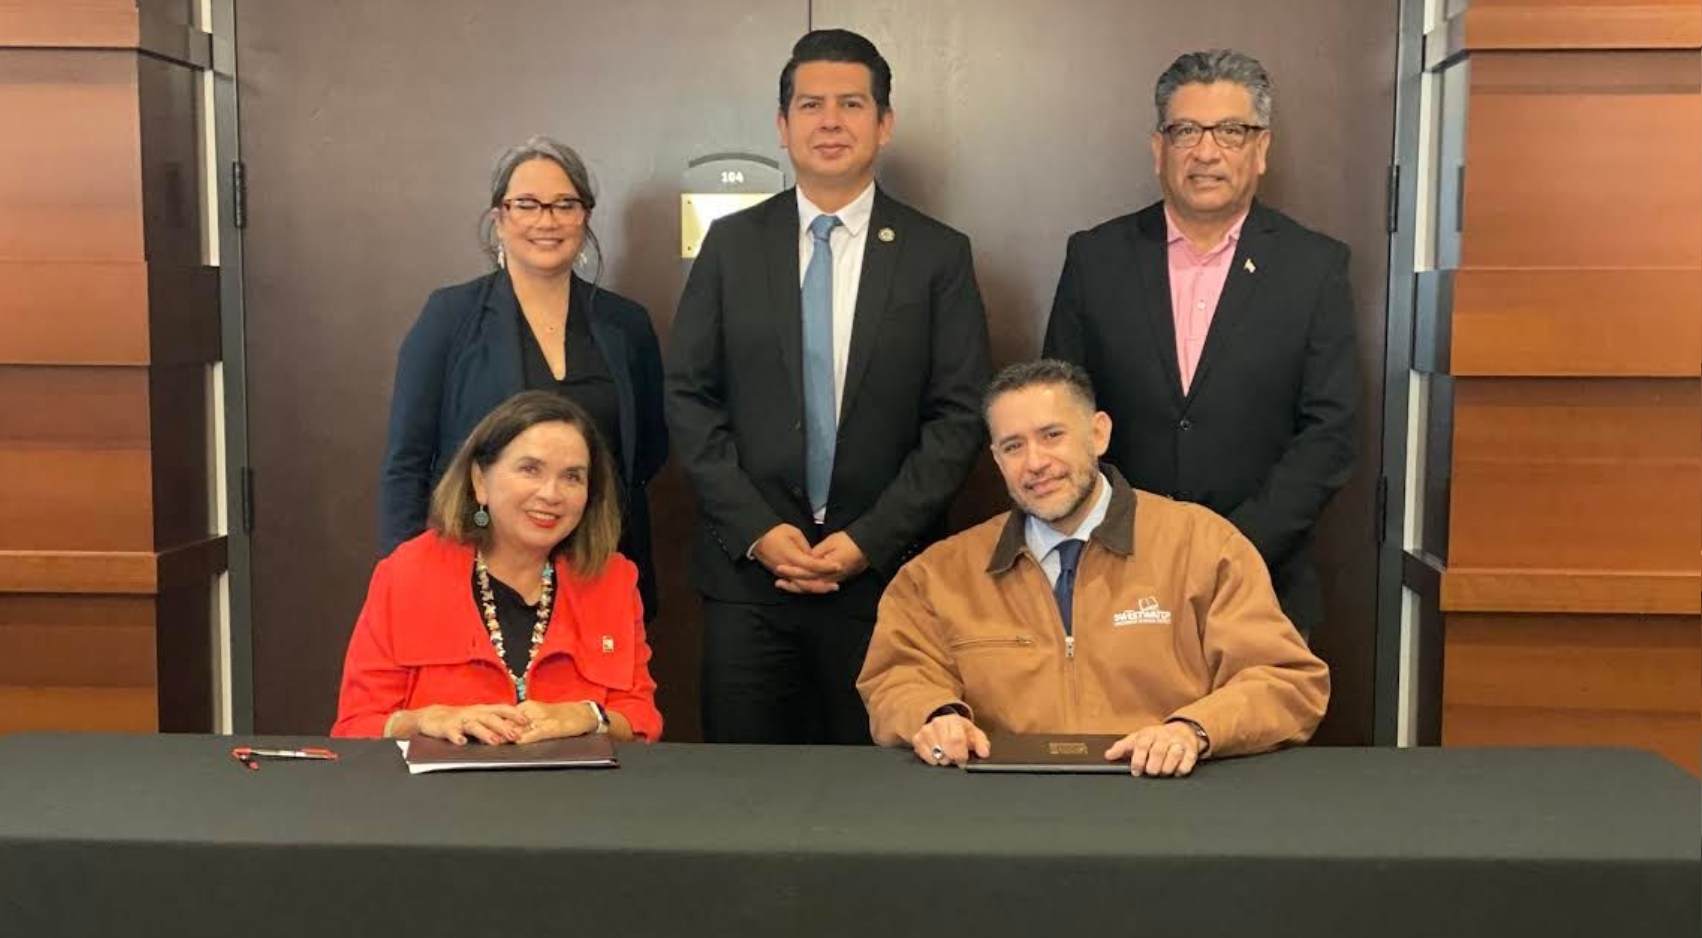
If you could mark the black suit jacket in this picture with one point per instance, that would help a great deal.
(910, 423)
(1266, 434)
(463, 357)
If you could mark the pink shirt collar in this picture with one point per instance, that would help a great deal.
(1174, 234)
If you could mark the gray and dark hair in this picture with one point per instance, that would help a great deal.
(1215, 65)
(540, 147)
(1049, 372)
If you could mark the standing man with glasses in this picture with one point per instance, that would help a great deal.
(822, 387)
(1219, 331)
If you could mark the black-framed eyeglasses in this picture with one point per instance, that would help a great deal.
(1230, 135)
(529, 209)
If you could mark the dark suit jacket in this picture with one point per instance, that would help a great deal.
(1266, 433)
(910, 423)
(462, 358)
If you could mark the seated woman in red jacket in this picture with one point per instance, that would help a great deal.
(512, 619)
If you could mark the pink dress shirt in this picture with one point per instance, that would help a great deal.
(1196, 284)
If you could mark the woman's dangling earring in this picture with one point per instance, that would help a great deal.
(482, 518)
(501, 258)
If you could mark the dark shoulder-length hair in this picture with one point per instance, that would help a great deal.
(453, 502)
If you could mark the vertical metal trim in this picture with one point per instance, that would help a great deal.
(1397, 359)
(1422, 574)
(1433, 321)
(226, 116)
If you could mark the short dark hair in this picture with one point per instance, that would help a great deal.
(1040, 371)
(453, 503)
(839, 45)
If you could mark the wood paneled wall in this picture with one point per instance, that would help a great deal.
(108, 325)
(1571, 595)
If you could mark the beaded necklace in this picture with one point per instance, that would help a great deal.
(487, 601)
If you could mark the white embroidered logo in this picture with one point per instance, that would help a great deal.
(1146, 612)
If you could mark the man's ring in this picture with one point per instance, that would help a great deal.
(938, 754)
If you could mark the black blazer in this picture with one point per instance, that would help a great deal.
(910, 422)
(462, 358)
(1266, 434)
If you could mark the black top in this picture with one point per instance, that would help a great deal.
(588, 382)
(464, 356)
(516, 617)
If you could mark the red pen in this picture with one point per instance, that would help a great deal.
(250, 756)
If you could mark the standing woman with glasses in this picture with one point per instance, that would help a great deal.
(533, 323)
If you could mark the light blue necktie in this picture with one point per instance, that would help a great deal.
(821, 419)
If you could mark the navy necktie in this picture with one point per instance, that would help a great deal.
(1069, 553)
(821, 418)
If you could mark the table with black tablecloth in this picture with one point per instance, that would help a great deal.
(167, 835)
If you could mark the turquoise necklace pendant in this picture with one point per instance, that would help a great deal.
(487, 603)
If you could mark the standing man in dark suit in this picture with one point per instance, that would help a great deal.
(1219, 331)
(823, 379)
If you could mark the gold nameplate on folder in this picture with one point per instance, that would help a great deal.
(1049, 753)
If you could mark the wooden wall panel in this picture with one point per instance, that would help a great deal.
(108, 319)
(1577, 322)
(1575, 680)
(66, 406)
(76, 499)
(87, 641)
(1561, 167)
(89, 24)
(79, 572)
(1596, 24)
(1560, 589)
(107, 709)
(70, 160)
(65, 312)
(74, 443)
(1576, 347)
(1574, 473)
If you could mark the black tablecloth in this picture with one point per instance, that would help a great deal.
(107, 835)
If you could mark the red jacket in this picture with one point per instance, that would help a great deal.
(420, 641)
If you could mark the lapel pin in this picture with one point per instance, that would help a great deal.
(1249, 266)
(886, 235)
(608, 644)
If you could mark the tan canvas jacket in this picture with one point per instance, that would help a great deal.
(1174, 616)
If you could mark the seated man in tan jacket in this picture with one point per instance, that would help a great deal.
(1092, 608)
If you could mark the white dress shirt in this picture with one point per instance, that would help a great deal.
(1043, 539)
(847, 240)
